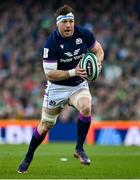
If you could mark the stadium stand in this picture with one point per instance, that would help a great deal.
(24, 25)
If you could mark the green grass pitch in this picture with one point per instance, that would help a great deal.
(108, 162)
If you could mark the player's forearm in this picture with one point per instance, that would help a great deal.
(57, 75)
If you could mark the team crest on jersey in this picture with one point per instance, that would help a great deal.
(78, 41)
(69, 54)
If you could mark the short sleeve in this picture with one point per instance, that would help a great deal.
(89, 38)
(49, 53)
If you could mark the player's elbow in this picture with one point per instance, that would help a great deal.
(98, 50)
(102, 53)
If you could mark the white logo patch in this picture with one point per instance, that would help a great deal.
(45, 53)
(78, 41)
(69, 54)
(76, 51)
(62, 46)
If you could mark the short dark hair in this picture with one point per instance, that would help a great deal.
(63, 10)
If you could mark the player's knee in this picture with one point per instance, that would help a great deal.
(49, 120)
(44, 127)
(85, 109)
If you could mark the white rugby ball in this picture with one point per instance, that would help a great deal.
(90, 64)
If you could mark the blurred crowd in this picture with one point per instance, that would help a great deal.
(24, 25)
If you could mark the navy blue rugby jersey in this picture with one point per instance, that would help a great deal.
(67, 52)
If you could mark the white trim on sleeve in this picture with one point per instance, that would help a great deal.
(49, 66)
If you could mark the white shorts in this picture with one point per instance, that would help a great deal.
(58, 95)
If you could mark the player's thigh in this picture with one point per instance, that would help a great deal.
(81, 99)
(54, 111)
(50, 115)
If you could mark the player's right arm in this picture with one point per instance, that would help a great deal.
(52, 74)
(58, 75)
(50, 66)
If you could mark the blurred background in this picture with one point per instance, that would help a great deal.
(24, 25)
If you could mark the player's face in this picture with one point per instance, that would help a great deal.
(66, 27)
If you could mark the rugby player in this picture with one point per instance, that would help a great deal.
(66, 81)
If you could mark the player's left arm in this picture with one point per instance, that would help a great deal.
(93, 45)
(98, 51)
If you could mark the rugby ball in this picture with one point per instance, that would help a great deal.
(90, 64)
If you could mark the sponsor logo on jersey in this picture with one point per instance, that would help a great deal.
(78, 41)
(71, 59)
(76, 51)
(69, 54)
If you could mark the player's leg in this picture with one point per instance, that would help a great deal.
(48, 120)
(82, 101)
